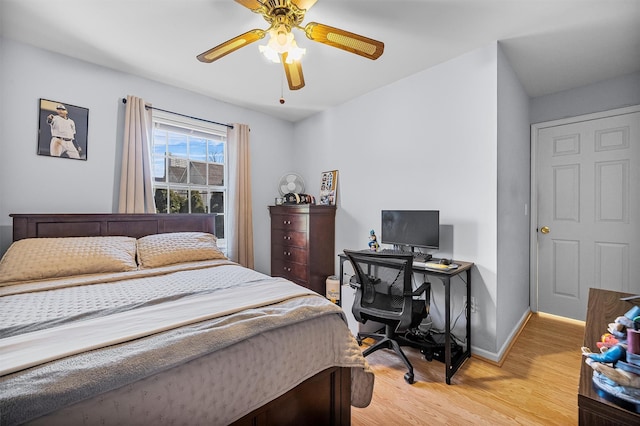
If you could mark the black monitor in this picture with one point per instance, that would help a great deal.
(414, 228)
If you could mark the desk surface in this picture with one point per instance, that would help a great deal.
(462, 266)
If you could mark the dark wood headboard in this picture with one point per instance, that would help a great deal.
(94, 225)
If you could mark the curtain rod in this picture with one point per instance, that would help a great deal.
(124, 101)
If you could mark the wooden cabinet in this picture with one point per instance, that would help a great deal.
(596, 407)
(303, 244)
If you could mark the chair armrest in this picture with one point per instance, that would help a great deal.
(353, 282)
(419, 290)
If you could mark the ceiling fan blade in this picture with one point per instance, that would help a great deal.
(351, 42)
(250, 4)
(293, 72)
(230, 46)
(303, 4)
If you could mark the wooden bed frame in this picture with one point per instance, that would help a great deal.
(324, 399)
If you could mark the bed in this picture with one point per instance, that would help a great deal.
(140, 319)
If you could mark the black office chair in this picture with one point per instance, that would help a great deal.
(384, 294)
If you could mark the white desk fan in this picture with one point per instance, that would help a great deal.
(291, 183)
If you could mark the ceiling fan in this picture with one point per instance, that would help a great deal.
(283, 16)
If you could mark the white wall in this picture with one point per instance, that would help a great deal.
(5, 233)
(428, 141)
(602, 96)
(514, 159)
(30, 183)
(425, 142)
(447, 138)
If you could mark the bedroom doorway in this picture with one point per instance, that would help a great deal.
(585, 209)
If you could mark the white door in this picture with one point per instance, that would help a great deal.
(587, 226)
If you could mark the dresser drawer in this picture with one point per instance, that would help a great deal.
(303, 243)
(289, 238)
(289, 254)
(292, 222)
(293, 271)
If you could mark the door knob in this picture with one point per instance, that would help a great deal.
(545, 230)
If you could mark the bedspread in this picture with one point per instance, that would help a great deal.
(228, 305)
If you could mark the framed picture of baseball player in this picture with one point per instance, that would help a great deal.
(62, 130)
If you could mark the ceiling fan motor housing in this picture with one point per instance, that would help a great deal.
(282, 12)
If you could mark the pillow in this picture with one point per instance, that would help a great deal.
(42, 258)
(177, 247)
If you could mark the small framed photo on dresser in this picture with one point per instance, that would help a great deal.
(62, 130)
(329, 188)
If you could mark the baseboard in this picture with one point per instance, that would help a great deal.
(499, 357)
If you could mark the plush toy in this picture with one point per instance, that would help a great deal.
(617, 375)
(612, 345)
(607, 341)
(373, 241)
(608, 355)
(612, 362)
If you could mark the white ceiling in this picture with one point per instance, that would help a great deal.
(553, 45)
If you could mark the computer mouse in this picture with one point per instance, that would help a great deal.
(445, 262)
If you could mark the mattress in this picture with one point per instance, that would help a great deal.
(198, 342)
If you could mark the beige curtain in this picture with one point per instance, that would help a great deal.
(136, 195)
(240, 240)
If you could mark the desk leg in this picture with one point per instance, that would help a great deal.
(449, 364)
(468, 349)
(447, 328)
(340, 279)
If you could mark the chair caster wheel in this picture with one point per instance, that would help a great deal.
(359, 340)
(408, 377)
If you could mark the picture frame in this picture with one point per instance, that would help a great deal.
(62, 130)
(329, 188)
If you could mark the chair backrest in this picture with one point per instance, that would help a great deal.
(384, 287)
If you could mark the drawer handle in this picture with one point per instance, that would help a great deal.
(287, 253)
(287, 269)
(286, 222)
(286, 237)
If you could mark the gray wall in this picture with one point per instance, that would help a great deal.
(425, 142)
(30, 183)
(454, 137)
(603, 96)
(5, 232)
(513, 204)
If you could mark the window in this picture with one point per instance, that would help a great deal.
(190, 168)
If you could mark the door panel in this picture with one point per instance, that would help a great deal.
(612, 266)
(566, 276)
(587, 186)
(566, 192)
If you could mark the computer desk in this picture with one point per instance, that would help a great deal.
(452, 364)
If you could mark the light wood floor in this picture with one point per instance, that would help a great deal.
(536, 385)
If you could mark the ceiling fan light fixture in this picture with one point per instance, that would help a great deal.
(295, 53)
(281, 41)
(269, 53)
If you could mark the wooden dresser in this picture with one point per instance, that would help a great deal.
(594, 406)
(303, 244)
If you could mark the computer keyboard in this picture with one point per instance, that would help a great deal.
(417, 257)
(421, 257)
